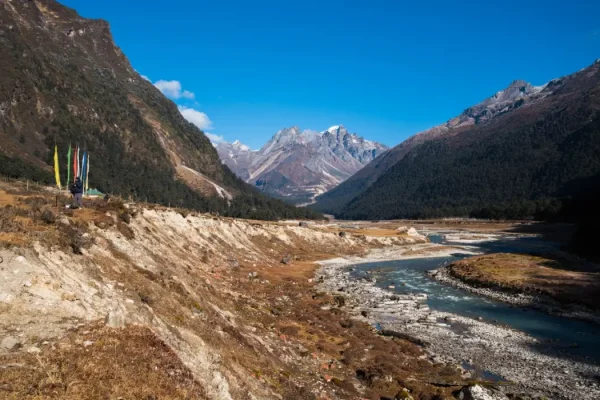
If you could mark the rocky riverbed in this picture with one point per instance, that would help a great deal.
(534, 369)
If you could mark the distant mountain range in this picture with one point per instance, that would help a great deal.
(512, 155)
(300, 165)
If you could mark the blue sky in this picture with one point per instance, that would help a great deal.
(384, 69)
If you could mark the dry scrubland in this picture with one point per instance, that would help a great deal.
(210, 308)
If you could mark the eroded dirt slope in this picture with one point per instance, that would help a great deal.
(215, 291)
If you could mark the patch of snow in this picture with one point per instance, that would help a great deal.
(537, 89)
(240, 146)
(334, 129)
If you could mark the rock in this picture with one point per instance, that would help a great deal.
(303, 351)
(343, 234)
(402, 229)
(303, 224)
(477, 392)
(252, 275)
(115, 318)
(233, 263)
(10, 343)
(34, 350)
(87, 343)
(412, 232)
(404, 394)
(286, 260)
(69, 296)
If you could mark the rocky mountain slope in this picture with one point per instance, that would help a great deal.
(193, 304)
(299, 165)
(521, 145)
(65, 81)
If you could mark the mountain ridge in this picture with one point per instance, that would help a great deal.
(517, 107)
(64, 81)
(299, 164)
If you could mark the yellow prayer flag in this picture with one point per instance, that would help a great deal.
(56, 170)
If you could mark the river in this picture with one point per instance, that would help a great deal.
(562, 336)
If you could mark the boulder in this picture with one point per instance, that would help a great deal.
(343, 234)
(402, 229)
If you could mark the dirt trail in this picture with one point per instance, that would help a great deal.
(215, 290)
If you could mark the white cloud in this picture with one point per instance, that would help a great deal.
(214, 138)
(173, 90)
(196, 117)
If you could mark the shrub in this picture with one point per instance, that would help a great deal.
(125, 217)
(48, 216)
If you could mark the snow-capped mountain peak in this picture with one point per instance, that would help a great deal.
(240, 146)
(298, 165)
(334, 129)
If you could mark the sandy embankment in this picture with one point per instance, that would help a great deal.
(511, 354)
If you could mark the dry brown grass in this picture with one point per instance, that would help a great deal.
(130, 364)
(530, 274)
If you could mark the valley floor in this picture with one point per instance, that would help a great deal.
(139, 301)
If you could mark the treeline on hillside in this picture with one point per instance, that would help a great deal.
(162, 189)
(516, 173)
(18, 169)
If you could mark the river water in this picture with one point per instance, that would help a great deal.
(563, 336)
